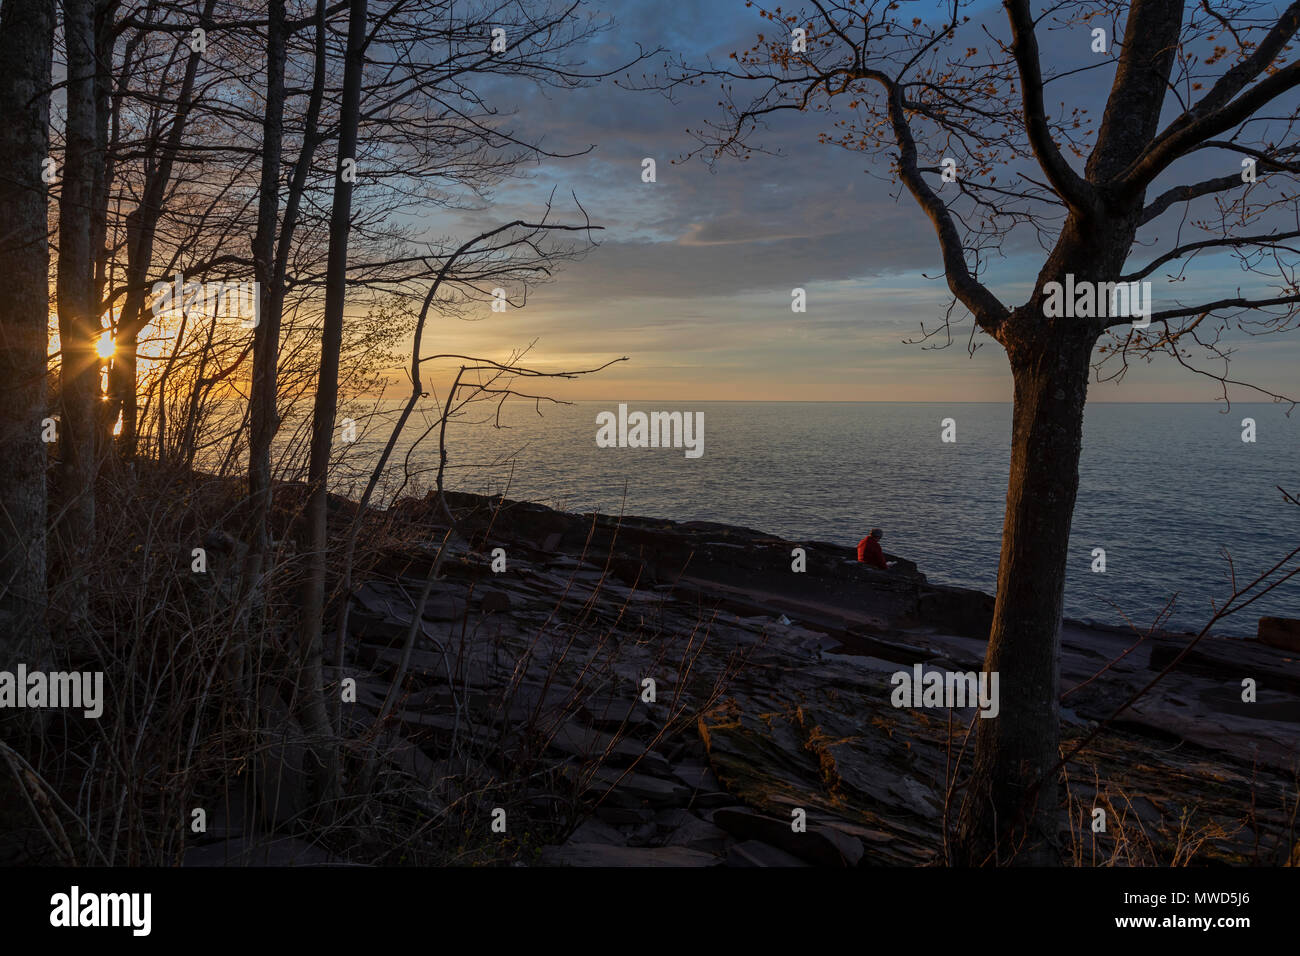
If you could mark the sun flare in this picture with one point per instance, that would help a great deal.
(105, 346)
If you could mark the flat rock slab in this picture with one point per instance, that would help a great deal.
(698, 834)
(241, 851)
(640, 786)
(778, 760)
(697, 776)
(815, 844)
(597, 831)
(758, 853)
(1280, 632)
(587, 742)
(598, 854)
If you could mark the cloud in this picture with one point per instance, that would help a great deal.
(694, 272)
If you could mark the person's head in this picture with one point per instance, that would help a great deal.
(876, 533)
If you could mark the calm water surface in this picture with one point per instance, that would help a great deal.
(1165, 489)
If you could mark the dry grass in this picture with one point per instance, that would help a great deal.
(200, 676)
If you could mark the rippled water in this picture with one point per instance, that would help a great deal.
(1163, 488)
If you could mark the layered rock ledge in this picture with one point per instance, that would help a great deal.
(771, 694)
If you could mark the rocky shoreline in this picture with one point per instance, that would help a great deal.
(770, 696)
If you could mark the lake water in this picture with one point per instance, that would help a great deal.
(1164, 489)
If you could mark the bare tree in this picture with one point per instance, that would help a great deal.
(271, 257)
(141, 227)
(79, 325)
(316, 537)
(961, 88)
(26, 44)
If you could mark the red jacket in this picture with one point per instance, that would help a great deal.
(869, 552)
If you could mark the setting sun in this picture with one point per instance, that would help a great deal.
(105, 346)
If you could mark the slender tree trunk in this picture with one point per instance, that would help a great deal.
(311, 640)
(104, 13)
(123, 376)
(263, 415)
(1010, 808)
(26, 42)
(78, 318)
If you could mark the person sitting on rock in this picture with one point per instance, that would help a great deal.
(869, 551)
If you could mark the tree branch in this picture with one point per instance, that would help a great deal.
(1069, 185)
(988, 311)
(1233, 303)
(1227, 241)
(1207, 119)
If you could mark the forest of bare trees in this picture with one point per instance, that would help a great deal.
(209, 225)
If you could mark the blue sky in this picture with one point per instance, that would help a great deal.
(694, 273)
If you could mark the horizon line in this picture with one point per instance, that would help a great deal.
(841, 401)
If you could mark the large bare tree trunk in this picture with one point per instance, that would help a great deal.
(78, 315)
(311, 639)
(1011, 809)
(26, 42)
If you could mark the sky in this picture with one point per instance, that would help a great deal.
(693, 276)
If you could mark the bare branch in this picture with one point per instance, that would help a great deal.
(1271, 240)
(1069, 185)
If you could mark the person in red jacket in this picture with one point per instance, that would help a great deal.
(869, 551)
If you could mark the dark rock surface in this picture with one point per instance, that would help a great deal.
(772, 694)
(1280, 632)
